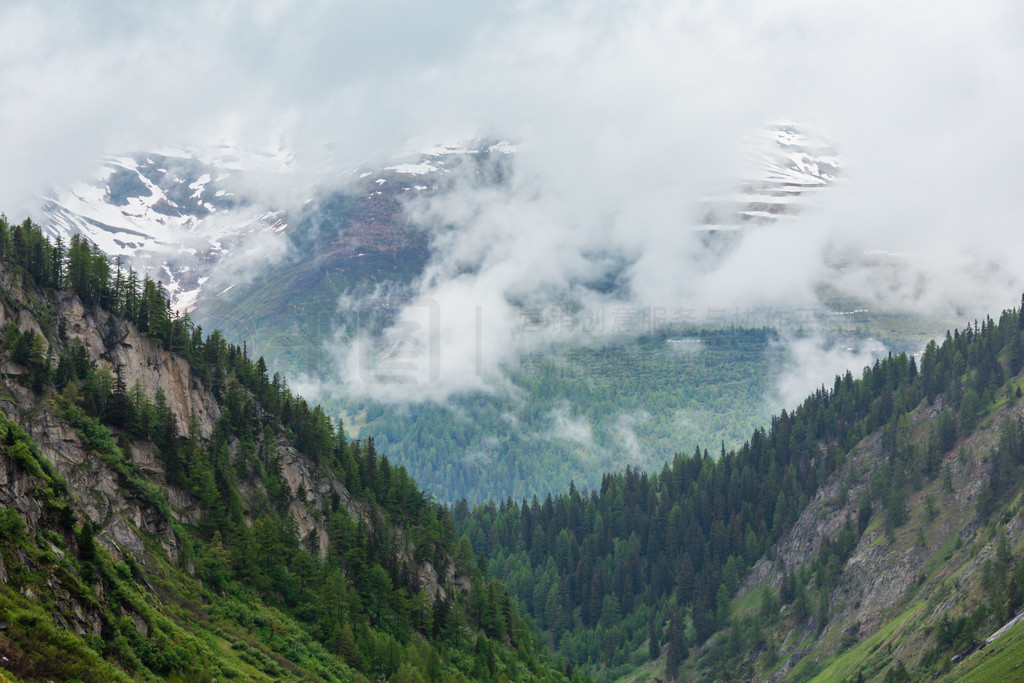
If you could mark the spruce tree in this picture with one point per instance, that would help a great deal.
(654, 639)
(676, 653)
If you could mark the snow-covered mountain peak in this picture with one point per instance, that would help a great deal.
(179, 212)
(171, 213)
(442, 158)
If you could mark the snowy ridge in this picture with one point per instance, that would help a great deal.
(176, 214)
(440, 159)
(230, 158)
(786, 165)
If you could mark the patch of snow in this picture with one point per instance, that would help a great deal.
(126, 162)
(186, 301)
(421, 168)
(199, 185)
(504, 147)
(787, 164)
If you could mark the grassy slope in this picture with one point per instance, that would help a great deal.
(1001, 661)
(950, 581)
(157, 615)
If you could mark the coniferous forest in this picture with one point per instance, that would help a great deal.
(649, 563)
(649, 569)
(355, 609)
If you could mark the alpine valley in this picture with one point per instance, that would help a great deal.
(171, 509)
(554, 342)
(325, 292)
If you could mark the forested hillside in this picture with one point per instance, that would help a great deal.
(170, 510)
(906, 565)
(645, 568)
(576, 412)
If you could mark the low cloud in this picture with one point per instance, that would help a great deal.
(624, 433)
(570, 427)
(813, 362)
(627, 117)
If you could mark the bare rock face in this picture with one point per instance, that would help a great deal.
(27, 322)
(118, 344)
(19, 491)
(71, 613)
(309, 486)
(307, 524)
(117, 534)
(883, 570)
(834, 504)
(430, 581)
(97, 491)
(183, 505)
(433, 583)
(299, 471)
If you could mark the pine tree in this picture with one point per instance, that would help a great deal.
(970, 408)
(653, 639)
(119, 413)
(676, 653)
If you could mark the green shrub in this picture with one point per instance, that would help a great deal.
(12, 526)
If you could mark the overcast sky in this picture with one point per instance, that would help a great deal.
(651, 87)
(628, 112)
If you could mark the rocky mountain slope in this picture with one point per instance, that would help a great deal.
(174, 215)
(179, 514)
(178, 214)
(900, 587)
(873, 532)
(906, 564)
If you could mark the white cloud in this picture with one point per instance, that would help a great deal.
(567, 426)
(811, 363)
(628, 114)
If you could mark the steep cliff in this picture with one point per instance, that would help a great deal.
(116, 346)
